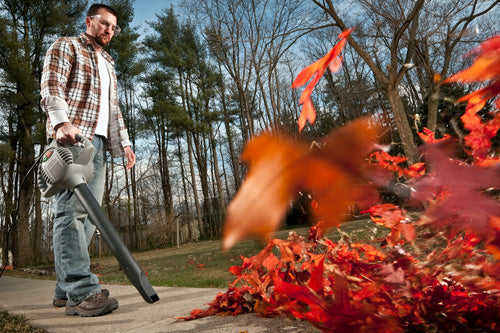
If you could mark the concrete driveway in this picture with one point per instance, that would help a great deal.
(33, 299)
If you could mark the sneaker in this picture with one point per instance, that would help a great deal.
(61, 302)
(95, 305)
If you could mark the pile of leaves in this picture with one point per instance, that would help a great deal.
(437, 270)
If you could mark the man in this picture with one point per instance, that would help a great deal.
(79, 95)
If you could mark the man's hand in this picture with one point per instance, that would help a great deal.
(129, 154)
(65, 133)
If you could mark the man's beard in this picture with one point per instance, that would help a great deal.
(102, 41)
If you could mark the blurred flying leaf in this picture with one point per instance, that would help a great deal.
(335, 174)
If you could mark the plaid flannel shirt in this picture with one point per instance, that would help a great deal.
(70, 91)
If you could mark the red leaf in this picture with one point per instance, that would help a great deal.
(396, 276)
(388, 215)
(461, 206)
(408, 231)
(486, 67)
(236, 270)
(316, 280)
(341, 292)
(429, 137)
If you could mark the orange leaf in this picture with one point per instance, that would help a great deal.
(484, 68)
(307, 113)
(493, 242)
(270, 262)
(307, 73)
(437, 78)
(417, 169)
(263, 198)
(280, 167)
(331, 60)
(481, 133)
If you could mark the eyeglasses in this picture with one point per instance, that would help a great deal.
(116, 29)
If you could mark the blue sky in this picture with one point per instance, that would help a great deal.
(146, 10)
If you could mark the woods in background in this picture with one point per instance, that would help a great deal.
(207, 77)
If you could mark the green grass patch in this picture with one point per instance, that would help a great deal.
(203, 264)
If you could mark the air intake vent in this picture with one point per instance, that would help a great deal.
(65, 155)
(45, 177)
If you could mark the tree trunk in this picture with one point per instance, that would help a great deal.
(184, 188)
(201, 160)
(136, 209)
(404, 129)
(165, 177)
(195, 187)
(432, 108)
(22, 250)
(228, 193)
(221, 199)
(128, 218)
(230, 141)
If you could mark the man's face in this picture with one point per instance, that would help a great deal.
(101, 27)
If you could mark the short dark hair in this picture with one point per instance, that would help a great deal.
(95, 8)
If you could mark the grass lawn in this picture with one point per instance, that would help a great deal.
(204, 264)
(201, 264)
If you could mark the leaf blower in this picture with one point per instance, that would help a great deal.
(71, 167)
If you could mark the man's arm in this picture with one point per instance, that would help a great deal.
(55, 75)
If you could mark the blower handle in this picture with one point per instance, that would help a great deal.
(64, 167)
(82, 139)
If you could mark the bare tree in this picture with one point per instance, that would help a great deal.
(446, 29)
(396, 34)
(394, 27)
(249, 39)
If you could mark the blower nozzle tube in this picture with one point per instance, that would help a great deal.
(134, 272)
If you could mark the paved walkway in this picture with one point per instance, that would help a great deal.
(33, 299)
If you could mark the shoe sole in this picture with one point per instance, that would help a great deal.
(74, 310)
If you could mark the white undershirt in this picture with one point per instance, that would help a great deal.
(103, 118)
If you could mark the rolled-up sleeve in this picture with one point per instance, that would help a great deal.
(56, 71)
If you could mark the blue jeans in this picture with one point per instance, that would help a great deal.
(72, 233)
